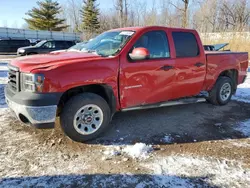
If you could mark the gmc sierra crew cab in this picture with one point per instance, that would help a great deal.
(120, 70)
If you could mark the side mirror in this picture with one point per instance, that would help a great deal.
(139, 54)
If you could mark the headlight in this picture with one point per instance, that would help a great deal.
(32, 82)
(22, 50)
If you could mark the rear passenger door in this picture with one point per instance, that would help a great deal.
(190, 64)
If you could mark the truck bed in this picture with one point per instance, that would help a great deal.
(217, 61)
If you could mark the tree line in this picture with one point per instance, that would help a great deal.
(86, 16)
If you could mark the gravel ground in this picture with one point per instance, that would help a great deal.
(197, 145)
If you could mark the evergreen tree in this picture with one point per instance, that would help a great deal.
(45, 17)
(90, 13)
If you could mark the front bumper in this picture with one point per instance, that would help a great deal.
(21, 53)
(34, 108)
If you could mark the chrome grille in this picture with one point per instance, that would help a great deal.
(13, 79)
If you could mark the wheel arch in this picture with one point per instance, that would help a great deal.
(233, 74)
(103, 90)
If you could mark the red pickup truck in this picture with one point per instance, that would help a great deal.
(120, 70)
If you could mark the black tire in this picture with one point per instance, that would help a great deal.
(214, 95)
(71, 108)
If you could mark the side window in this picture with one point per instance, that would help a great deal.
(185, 44)
(49, 44)
(61, 45)
(69, 43)
(156, 42)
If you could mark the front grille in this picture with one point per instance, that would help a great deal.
(13, 79)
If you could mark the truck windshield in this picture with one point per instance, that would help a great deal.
(108, 43)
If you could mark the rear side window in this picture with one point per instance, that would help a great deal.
(60, 44)
(185, 44)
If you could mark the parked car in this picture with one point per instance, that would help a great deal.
(77, 47)
(121, 70)
(11, 45)
(45, 46)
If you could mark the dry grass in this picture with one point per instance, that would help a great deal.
(239, 42)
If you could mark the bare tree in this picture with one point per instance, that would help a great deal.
(108, 20)
(184, 11)
(122, 8)
(236, 14)
(203, 15)
(206, 18)
(119, 7)
(75, 13)
(151, 16)
(5, 23)
(125, 12)
(139, 11)
(71, 12)
(184, 19)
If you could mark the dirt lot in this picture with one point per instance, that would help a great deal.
(198, 145)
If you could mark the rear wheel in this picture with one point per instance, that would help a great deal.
(85, 116)
(222, 91)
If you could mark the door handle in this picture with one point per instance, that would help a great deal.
(199, 64)
(166, 67)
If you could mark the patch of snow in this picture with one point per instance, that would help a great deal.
(3, 66)
(243, 91)
(167, 139)
(217, 124)
(112, 152)
(6, 60)
(3, 80)
(240, 144)
(212, 172)
(139, 150)
(3, 73)
(2, 97)
(244, 128)
(5, 114)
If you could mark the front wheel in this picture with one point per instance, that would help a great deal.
(222, 91)
(85, 116)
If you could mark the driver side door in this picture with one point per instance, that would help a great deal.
(147, 81)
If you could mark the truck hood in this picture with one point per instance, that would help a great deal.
(29, 63)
